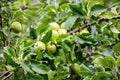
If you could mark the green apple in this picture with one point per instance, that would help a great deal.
(39, 46)
(51, 48)
(62, 31)
(12, 69)
(55, 35)
(16, 27)
(85, 30)
(76, 67)
(54, 26)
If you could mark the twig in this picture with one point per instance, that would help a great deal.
(106, 19)
(78, 28)
(4, 73)
(8, 76)
(88, 25)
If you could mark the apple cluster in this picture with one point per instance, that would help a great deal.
(57, 31)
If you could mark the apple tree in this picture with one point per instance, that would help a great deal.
(59, 39)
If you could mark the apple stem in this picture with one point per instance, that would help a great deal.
(38, 38)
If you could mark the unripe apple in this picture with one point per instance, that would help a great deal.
(83, 31)
(12, 69)
(54, 26)
(55, 35)
(62, 26)
(51, 48)
(39, 46)
(62, 31)
(16, 27)
(76, 67)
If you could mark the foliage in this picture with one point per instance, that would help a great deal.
(90, 50)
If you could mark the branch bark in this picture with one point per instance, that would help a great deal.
(88, 25)
(8, 76)
(4, 73)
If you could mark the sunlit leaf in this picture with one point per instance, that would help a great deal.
(70, 22)
(84, 70)
(116, 48)
(97, 9)
(118, 61)
(114, 30)
(39, 68)
(26, 66)
(99, 75)
(10, 56)
(107, 14)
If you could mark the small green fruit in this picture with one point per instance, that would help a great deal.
(12, 69)
(62, 31)
(51, 48)
(76, 67)
(16, 27)
(39, 46)
(83, 31)
(54, 26)
(55, 35)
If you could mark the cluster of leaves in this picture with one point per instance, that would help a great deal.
(94, 55)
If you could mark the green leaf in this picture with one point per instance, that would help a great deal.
(114, 30)
(93, 19)
(47, 37)
(97, 9)
(65, 37)
(51, 74)
(99, 68)
(27, 44)
(10, 56)
(39, 68)
(116, 48)
(19, 14)
(11, 51)
(48, 55)
(108, 61)
(65, 46)
(31, 76)
(70, 22)
(99, 75)
(26, 66)
(43, 26)
(79, 40)
(62, 57)
(27, 55)
(72, 53)
(84, 70)
(118, 61)
(19, 74)
(87, 78)
(39, 55)
(32, 32)
(78, 9)
(107, 14)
